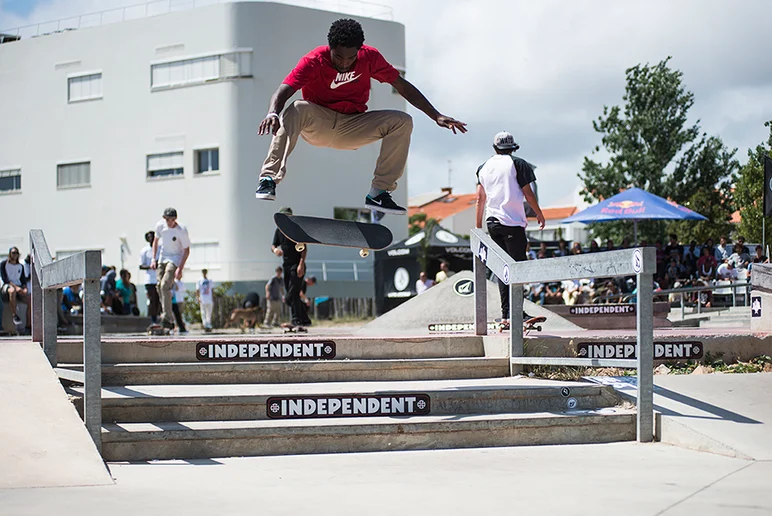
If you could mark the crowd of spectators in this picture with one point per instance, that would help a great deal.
(678, 266)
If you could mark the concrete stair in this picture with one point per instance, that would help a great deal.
(166, 398)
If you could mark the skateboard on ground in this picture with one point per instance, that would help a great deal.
(534, 323)
(291, 328)
(342, 233)
(158, 330)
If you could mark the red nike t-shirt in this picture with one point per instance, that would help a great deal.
(345, 92)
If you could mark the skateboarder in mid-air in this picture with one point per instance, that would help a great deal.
(503, 183)
(335, 82)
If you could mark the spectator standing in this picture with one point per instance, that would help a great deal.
(576, 248)
(205, 297)
(151, 278)
(444, 273)
(562, 249)
(123, 290)
(14, 286)
(673, 248)
(542, 251)
(722, 252)
(740, 240)
(423, 283)
(274, 291)
(294, 268)
(610, 245)
(594, 248)
(758, 256)
(172, 247)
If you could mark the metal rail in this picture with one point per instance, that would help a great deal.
(47, 277)
(639, 262)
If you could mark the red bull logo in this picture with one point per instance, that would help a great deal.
(625, 204)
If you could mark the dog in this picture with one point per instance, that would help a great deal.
(244, 318)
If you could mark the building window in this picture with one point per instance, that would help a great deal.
(207, 160)
(204, 256)
(10, 180)
(164, 165)
(201, 70)
(73, 175)
(84, 87)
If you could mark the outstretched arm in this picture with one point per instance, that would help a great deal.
(416, 98)
(271, 121)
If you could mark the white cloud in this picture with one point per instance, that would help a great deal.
(544, 70)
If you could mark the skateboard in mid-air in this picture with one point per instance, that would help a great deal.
(534, 323)
(342, 233)
(291, 328)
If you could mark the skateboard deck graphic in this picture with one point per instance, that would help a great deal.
(342, 233)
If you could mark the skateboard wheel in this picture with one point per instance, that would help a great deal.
(364, 253)
(300, 247)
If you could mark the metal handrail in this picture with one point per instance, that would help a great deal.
(377, 11)
(639, 262)
(47, 276)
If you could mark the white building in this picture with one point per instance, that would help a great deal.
(104, 127)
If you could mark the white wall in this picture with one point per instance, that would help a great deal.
(40, 128)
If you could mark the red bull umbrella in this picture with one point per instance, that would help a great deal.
(634, 204)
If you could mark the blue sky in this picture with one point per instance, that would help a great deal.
(544, 70)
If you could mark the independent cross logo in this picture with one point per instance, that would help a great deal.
(756, 306)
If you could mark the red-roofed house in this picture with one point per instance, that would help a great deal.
(456, 213)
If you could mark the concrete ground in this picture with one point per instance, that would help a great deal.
(626, 478)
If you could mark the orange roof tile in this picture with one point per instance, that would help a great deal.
(736, 218)
(557, 213)
(445, 207)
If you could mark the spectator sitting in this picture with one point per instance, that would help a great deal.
(706, 265)
(576, 248)
(739, 258)
(722, 252)
(71, 300)
(727, 271)
(675, 270)
(423, 283)
(552, 294)
(562, 249)
(530, 253)
(741, 241)
(625, 243)
(610, 245)
(107, 288)
(14, 284)
(542, 251)
(758, 256)
(444, 273)
(594, 246)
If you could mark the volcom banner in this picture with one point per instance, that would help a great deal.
(767, 186)
(351, 405)
(662, 350)
(602, 310)
(309, 350)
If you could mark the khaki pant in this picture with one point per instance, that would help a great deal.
(272, 312)
(324, 127)
(166, 272)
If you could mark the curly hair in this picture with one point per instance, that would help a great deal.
(346, 33)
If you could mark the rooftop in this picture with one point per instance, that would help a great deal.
(159, 7)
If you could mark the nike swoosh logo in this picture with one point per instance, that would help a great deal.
(379, 203)
(334, 85)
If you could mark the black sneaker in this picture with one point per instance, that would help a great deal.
(385, 204)
(266, 189)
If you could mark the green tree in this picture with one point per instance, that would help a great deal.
(702, 181)
(642, 141)
(749, 193)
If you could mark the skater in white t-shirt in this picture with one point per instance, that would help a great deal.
(172, 242)
(503, 184)
(205, 298)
